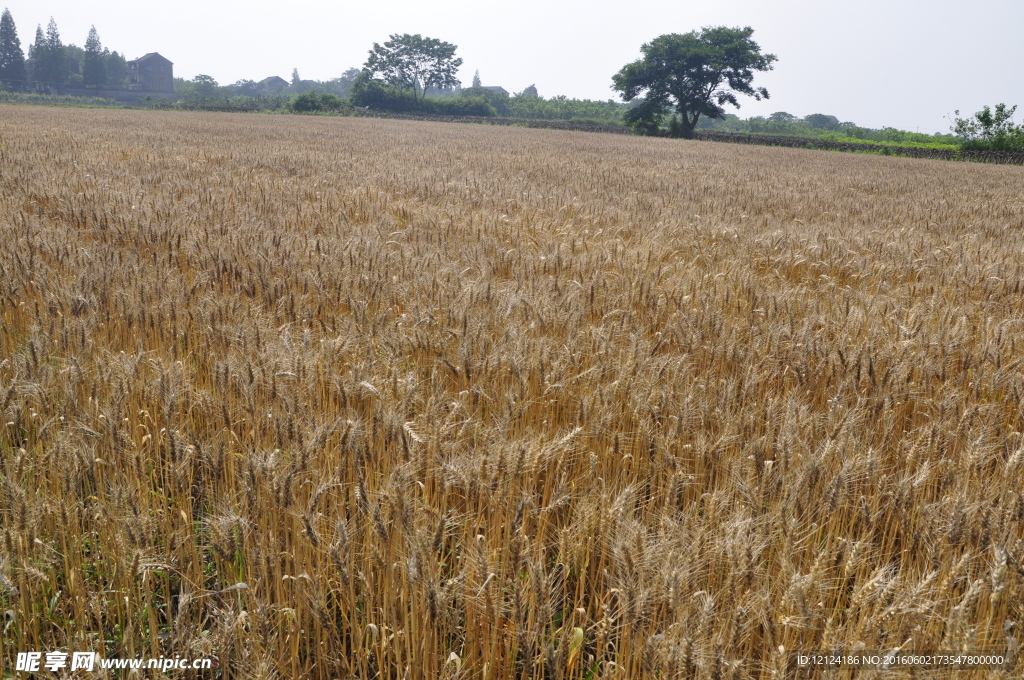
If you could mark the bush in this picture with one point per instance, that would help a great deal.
(645, 118)
(380, 97)
(499, 101)
(462, 106)
(562, 108)
(311, 102)
(368, 92)
(306, 103)
(332, 102)
(990, 130)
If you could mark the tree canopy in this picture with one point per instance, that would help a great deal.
(36, 53)
(990, 130)
(414, 62)
(12, 59)
(693, 74)
(94, 69)
(47, 58)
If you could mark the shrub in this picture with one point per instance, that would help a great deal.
(499, 101)
(331, 102)
(990, 130)
(307, 102)
(381, 97)
(462, 106)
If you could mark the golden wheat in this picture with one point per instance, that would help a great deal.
(333, 398)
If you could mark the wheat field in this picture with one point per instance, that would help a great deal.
(352, 398)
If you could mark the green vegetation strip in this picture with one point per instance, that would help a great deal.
(1001, 157)
(1004, 157)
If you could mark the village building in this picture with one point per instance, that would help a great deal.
(272, 85)
(151, 73)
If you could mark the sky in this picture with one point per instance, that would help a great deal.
(902, 63)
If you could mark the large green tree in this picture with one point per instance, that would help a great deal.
(990, 130)
(12, 60)
(94, 67)
(46, 55)
(692, 74)
(73, 57)
(58, 61)
(36, 55)
(415, 62)
(117, 69)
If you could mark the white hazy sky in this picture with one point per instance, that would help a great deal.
(904, 63)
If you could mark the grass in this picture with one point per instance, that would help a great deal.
(343, 397)
(908, 144)
(56, 100)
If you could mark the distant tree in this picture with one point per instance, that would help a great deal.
(205, 86)
(782, 117)
(202, 90)
(498, 100)
(13, 73)
(692, 74)
(561, 107)
(300, 86)
(54, 65)
(47, 60)
(531, 91)
(74, 57)
(342, 86)
(117, 69)
(819, 121)
(414, 62)
(476, 79)
(295, 76)
(94, 68)
(990, 130)
(36, 55)
(246, 88)
(331, 101)
(307, 102)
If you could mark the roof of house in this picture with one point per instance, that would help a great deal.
(496, 88)
(152, 55)
(273, 79)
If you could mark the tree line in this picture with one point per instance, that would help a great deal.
(51, 64)
(681, 83)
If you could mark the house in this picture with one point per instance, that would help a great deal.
(272, 85)
(497, 89)
(151, 73)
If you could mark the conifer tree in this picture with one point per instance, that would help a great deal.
(94, 70)
(55, 51)
(37, 56)
(13, 74)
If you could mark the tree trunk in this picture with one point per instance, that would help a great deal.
(689, 125)
(686, 125)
